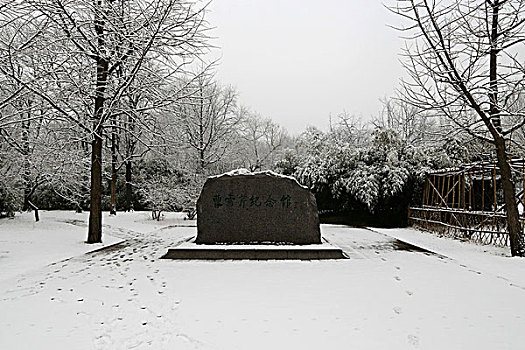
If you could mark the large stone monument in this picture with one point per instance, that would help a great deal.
(256, 208)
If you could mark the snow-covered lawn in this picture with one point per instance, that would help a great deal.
(26, 244)
(125, 297)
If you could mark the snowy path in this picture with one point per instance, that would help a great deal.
(383, 297)
(489, 260)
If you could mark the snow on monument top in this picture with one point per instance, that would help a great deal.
(244, 171)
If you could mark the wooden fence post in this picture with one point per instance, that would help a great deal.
(470, 190)
(482, 188)
(495, 196)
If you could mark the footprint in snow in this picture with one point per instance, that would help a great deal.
(397, 278)
(413, 340)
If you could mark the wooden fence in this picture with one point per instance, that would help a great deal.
(467, 202)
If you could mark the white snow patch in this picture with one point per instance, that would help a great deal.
(26, 245)
(495, 261)
(243, 171)
(235, 172)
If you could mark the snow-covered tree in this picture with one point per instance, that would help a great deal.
(163, 187)
(376, 176)
(261, 141)
(465, 61)
(209, 119)
(95, 51)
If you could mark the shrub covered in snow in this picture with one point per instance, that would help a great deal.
(163, 187)
(380, 176)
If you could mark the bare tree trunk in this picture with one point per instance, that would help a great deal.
(201, 131)
(129, 189)
(130, 146)
(517, 246)
(113, 183)
(95, 213)
(26, 176)
(34, 207)
(493, 68)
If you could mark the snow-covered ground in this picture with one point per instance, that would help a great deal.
(26, 244)
(53, 295)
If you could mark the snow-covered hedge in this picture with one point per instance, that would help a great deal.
(379, 176)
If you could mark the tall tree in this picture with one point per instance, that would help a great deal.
(465, 60)
(413, 124)
(262, 140)
(209, 119)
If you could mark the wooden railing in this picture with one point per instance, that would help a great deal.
(467, 202)
(479, 226)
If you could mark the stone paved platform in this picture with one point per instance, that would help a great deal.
(193, 251)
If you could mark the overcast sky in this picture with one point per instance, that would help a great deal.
(298, 61)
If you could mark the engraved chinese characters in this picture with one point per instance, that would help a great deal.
(244, 201)
(256, 208)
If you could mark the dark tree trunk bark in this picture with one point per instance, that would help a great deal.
(26, 176)
(129, 189)
(493, 68)
(95, 213)
(130, 148)
(34, 207)
(202, 163)
(113, 183)
(517, 246)
(202, 160)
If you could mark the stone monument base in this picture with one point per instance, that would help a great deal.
(193, 251)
